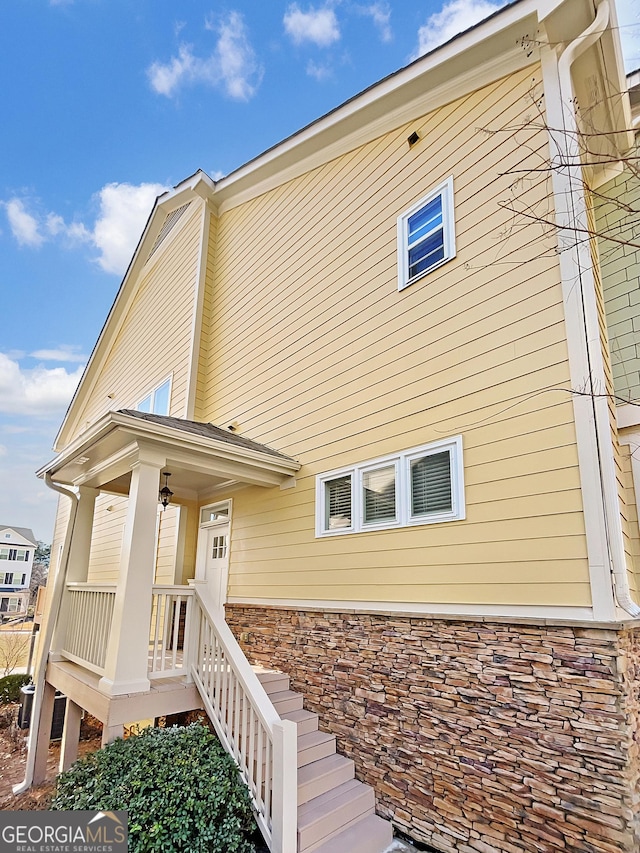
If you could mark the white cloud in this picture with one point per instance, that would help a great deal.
(64, 352)
(320, 72)
(3, 450)
(319, 26)
(165, 78)
(39, 391)
(236, 59)
(454, 17)
(381, 15)
(232, 66)
(124, 210)
(24, 227)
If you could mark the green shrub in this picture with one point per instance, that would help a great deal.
(10, 687)
(182, 791)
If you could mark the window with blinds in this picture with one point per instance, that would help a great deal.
(423, 485)
(431, 484)
(338, 503)
(379, 495)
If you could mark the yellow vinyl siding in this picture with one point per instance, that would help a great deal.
(155, 338)
(106, 541)
(315, 353)
(167, 542)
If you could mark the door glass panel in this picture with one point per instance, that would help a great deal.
(218, 547)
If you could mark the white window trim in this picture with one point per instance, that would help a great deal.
(402, 462)
(152, 393)
(445, 190)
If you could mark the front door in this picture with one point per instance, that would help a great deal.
(215, 523)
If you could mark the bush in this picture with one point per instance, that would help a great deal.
(10, 687)
(182, 791)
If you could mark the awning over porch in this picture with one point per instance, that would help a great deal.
(202, 458)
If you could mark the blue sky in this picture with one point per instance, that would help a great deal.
(104, 104)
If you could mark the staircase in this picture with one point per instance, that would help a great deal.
(336, 813)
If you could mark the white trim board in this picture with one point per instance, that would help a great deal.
(481, 612)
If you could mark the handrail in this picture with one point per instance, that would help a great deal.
(263, 745)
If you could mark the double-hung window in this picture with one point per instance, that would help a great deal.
(157, 402)
(426, 236)
(423, 485)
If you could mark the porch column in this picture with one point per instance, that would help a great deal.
(128, 651)
(78, 565)
(70, 735)
(40, 738)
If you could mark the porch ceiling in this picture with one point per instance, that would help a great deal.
(202, 458)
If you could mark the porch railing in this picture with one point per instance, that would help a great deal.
(170, 631)
(263, 745)
(89, 609)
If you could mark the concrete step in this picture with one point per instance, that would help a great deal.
(314, 746)
(330, 813)
(320, 776)
(306, 721)
(272, 680)
(370, 834)
(286, 700)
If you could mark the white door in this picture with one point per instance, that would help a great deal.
(215, 526)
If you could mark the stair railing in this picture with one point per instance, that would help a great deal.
(263, 745)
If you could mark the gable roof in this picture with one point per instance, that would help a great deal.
(507, 40)
(204, 430)
(24, 532)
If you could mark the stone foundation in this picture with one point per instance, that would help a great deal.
(477, 737)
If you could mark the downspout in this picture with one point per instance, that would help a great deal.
(47, 634)
(615, 545)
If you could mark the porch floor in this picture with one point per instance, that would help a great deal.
(165, 696)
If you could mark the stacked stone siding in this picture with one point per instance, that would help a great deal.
(477, 737)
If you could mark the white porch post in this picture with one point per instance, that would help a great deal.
(127, 658)
(78, 567)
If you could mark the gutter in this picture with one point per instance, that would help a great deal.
(610, 499)
(47, 635)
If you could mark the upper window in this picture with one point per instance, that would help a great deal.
(157, 402)
(423, 485)
(426, 237)
(14, 554)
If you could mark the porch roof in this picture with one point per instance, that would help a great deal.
(203, 459)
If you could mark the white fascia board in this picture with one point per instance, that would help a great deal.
(484, 53)
(139, 428)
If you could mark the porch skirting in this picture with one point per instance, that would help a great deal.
(477, 737)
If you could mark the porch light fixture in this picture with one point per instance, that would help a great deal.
(165, 494)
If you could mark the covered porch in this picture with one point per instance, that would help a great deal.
(132, 630)
(132, 649)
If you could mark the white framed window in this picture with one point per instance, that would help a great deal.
(422, 485)
(21, 554)
(426, 235)
(157, 401)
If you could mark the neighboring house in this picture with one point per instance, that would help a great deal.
(369, 371)
(17, 550)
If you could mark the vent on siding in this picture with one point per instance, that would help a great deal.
(168, 224)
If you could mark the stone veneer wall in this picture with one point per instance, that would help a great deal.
(478, 737)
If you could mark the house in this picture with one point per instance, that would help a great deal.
(345, 466)
(17, 550)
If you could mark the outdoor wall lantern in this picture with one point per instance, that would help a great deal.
(165, 494)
